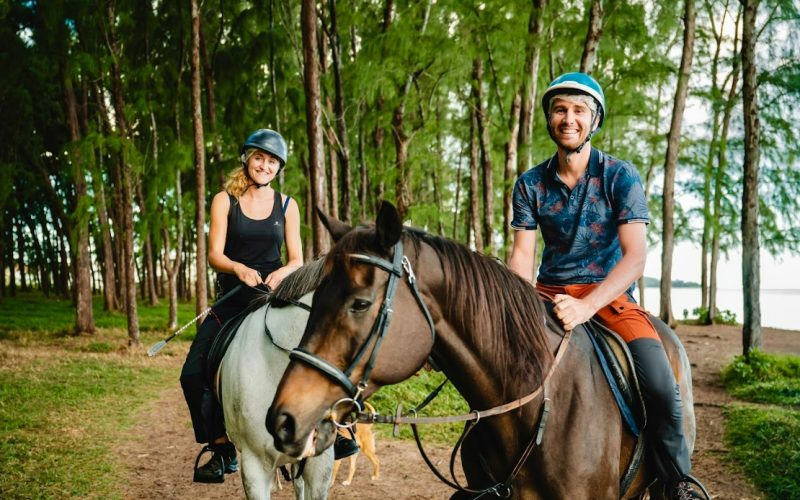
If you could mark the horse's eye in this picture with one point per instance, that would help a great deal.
(360, 305)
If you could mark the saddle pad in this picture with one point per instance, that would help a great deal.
(616, 363)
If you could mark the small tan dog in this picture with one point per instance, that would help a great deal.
(366, 443)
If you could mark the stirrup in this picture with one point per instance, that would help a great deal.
(197, 478)
(693, 480)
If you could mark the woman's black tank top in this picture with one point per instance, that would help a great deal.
(254, 243)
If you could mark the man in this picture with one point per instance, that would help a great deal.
(593, 214)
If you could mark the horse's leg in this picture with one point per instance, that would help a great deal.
(257, 474)
(317, 477)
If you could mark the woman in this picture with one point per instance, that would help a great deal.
(249, 223)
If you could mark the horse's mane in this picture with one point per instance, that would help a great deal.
(304, 280)
(487, 301)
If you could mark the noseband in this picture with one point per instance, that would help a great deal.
(399, 266)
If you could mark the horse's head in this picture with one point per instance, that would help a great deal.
(369, 326)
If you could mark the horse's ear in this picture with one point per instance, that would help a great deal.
(388, 224)
(334, 226)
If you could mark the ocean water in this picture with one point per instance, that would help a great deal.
(779, 308)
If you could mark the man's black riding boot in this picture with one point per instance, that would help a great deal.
(223, 461)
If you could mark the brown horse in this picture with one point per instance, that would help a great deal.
(373, 323)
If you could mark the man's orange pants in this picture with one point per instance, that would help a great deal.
(628, 319)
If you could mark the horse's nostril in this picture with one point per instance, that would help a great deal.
(282, 426)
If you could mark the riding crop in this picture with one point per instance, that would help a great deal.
(155, 348)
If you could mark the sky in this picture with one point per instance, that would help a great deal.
(782, 272)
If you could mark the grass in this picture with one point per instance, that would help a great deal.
(411, 393)
(66, 401)
(32, 312)
(60, 416)
(765, 443)
(764, 438)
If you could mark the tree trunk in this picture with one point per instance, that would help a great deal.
(593, 35)
(509, 172)
(722, 164)
(343, 146)
(528, 87)
(173, 266)
(308, 24)
(126, 185)
(211, 107)
(78, 226)
(474, 185)
(23, 270)
(402, 138)
(751, 272)
(708, 173)
(201, 285)
(670, 163)
(485, 156)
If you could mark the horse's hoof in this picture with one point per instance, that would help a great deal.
(345, 483)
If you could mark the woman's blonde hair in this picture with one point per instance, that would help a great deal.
(238, 180)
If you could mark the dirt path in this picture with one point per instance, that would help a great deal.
(165, 471)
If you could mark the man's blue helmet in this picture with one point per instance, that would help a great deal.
(575, 83)
(269, 141)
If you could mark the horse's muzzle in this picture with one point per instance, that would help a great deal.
(284, 429)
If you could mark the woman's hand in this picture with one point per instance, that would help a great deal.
(274, 278)
(246, 275)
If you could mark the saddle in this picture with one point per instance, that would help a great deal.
(221, 343)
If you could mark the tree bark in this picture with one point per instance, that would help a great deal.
(708, 222)
(402, 137)
(722, 164)
(509, 172)
(126, 181)
(172, 266)
(308, 24)
(751, 272)
(201, 285)
(528, 87)
(670, 163)
(474, 176)
(343, 147)
(485, 157)
(211, 107)
(593, 35)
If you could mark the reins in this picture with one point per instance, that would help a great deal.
(396, 269)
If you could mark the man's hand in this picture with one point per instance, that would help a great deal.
(571, 311)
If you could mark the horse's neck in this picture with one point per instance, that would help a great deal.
(485, 369)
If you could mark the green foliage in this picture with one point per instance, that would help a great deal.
(765, 443)
(723, 317)
(764, 378)
(413, 392)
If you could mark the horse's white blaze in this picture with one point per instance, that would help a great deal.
(251, 370)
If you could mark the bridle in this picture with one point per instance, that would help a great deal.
(399, 266)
